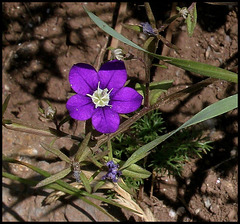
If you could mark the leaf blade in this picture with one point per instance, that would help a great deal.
(196, 67)
(5, 104)
(56, 152)
(54, 178)
(209, 112)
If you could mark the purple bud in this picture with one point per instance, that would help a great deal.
(147, 29)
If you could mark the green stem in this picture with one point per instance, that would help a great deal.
(150, 15)
(125, 125)
(50, 132)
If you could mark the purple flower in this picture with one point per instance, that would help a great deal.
(147, 29)
(101, 95)
(113, 172)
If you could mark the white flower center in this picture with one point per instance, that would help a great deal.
(100, 97)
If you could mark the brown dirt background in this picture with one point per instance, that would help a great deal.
(40, 43)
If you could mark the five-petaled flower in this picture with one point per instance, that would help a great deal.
(101, 95)
(113, 172)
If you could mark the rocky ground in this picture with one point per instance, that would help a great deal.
(40, 43)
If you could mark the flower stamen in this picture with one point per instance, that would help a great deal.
(101, 97)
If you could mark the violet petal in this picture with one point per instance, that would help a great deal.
(126, 100)
(105, 120)
(83, 78)
(80, 107)
(112, 75)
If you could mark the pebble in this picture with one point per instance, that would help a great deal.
(197, 211)
(172, 213)
(218, 181)
(228, 39)
(232, 215)
(207, 202)
(6, 87)
(233, 152)
(181, 211)
(214, 208)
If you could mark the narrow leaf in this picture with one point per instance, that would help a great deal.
(98, 185)
(196, 67)
(214, 110)
(156, 89)
(138, 169)
(161, 66)
(191, 20)
(5, 104)
(83, 150)
(56, 152)
(33, 182)
(50, 132)
(85, 182)
(59, 188)
(64, 120)
(54, 177)
(126, 188)
(109, 146)
(67, 187)
(130, 173)
(133, 27)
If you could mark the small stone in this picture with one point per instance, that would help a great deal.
(74, 38)
(197, 211)
(214, 208)
(206, 201)
(181, 211)
(172, 213)
(232, 215)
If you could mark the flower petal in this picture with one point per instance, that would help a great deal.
(80, 107)
(105, 120)
(112, 75)
(83, 78)
(126, 100)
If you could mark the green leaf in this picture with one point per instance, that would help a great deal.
(156, 89)
(161, 66)
(151, 46)
(58, 188)
(196, 67)
(109, 147)
(67, 188)
(154, 95)
(33, 182)
(34, 168)
(50, 132)
(133, 27)
(83, 150)
(85, 182)
(41, 110)
(214, 110)
(64, 120)
(132, 170)
(54, 177)
(191, 20)
(99, 184)
(123, 185)
(136, 171)
(56, 152)
(5, 104)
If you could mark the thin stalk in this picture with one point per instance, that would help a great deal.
(50, 132)
(125, 125)
(150, 15)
